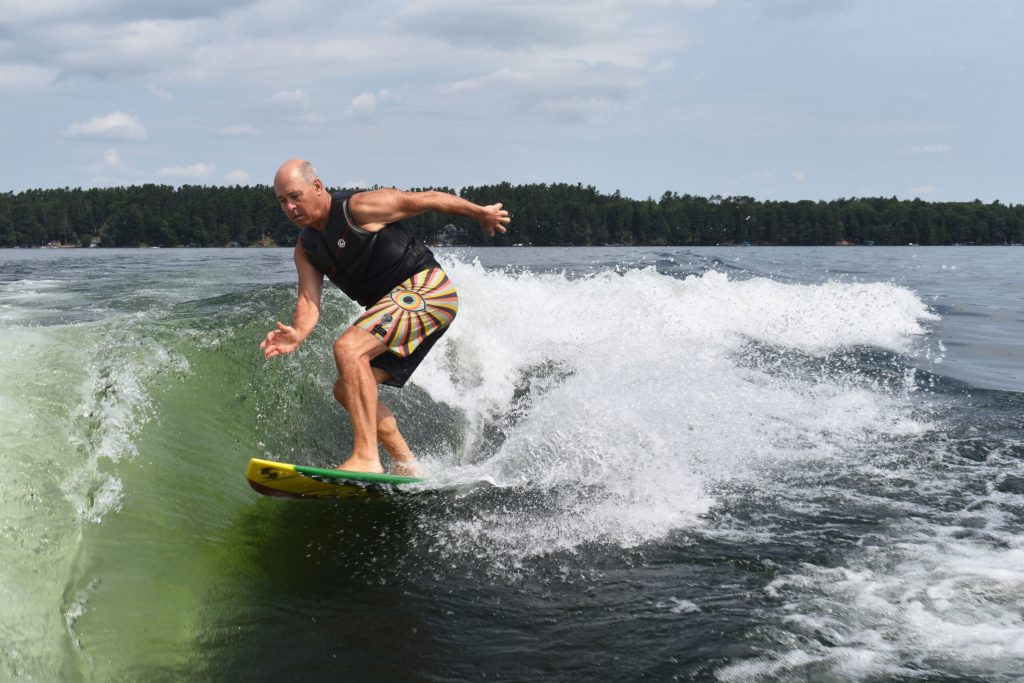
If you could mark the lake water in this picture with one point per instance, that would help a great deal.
(726, 464)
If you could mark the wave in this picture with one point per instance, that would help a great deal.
(609, 409)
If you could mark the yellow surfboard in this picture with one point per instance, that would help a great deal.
(283, 480)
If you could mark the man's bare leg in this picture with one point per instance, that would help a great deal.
(356, 390)
(403, 460)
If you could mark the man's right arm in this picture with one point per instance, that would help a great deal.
(286, 339)
(373, 209)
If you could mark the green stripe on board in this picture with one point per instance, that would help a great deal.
(357, 476)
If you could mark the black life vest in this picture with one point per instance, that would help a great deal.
(365, 265)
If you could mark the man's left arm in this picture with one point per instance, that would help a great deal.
(374, 209)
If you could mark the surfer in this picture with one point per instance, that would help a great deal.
(354, 238)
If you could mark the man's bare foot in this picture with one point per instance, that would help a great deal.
(362, 464)
(407, 468)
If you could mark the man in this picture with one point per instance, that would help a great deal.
(355, 240)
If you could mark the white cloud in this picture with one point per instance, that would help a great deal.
(29, 11)
(160, 93)
(367, 103)
(507, 26)
(563, 89)
(111, 162)
(197, 170)
(111, 48)
(114, 126)
(651, 79)
(500, 77)
(800, 9)
(310, 119)
(295, 106)
(932, 149)
(922, 189)
(291, 98)
(25, 76)
(574, 108)
(240, 130)
(12, 11)
(238, 178)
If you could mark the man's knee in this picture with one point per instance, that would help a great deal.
(345, 349)
(348, 352)
(356, 345)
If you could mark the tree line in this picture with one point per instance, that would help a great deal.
(556, 214)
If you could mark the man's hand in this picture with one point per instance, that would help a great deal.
(494, 219)
(282, 340)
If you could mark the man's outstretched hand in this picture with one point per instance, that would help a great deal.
(494, 219)
(282, 340)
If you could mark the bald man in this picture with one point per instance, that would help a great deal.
(355, 240)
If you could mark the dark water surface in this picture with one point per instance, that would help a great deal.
(732, 464)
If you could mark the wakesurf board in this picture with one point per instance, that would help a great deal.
(283, 480)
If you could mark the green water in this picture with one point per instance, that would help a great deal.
(699, 471)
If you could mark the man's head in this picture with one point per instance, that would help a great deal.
(301, 194)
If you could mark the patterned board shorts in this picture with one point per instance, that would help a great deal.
(413, 311)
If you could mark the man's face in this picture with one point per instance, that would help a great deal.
(300, 201)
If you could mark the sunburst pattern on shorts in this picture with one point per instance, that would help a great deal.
(413, 311)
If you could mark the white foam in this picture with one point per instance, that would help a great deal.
(41, 529)
(943, 594)
(641, 399)
(678, 606)
(114, 406)
(73, 399)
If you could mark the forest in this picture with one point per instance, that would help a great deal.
(558, 214)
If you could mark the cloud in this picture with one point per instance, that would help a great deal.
(932, 149)
(559, 67)
(110, 162)
(509, 25)
(561, 90)
(240, 130)
(238, 178)
(25, 76)
(922, 189)
(309, 119)
(20, 11)
(500, 77)
(577, 61)
(295, 106)
(114, 126)
(160, 93)
(799, 9)
(27, 11)
(548, 60)
(574, 109)
(367, 103)
(197, 170)
(290, 98)
(105, 50)
(798, 176)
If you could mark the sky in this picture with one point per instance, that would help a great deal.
(774, 99)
